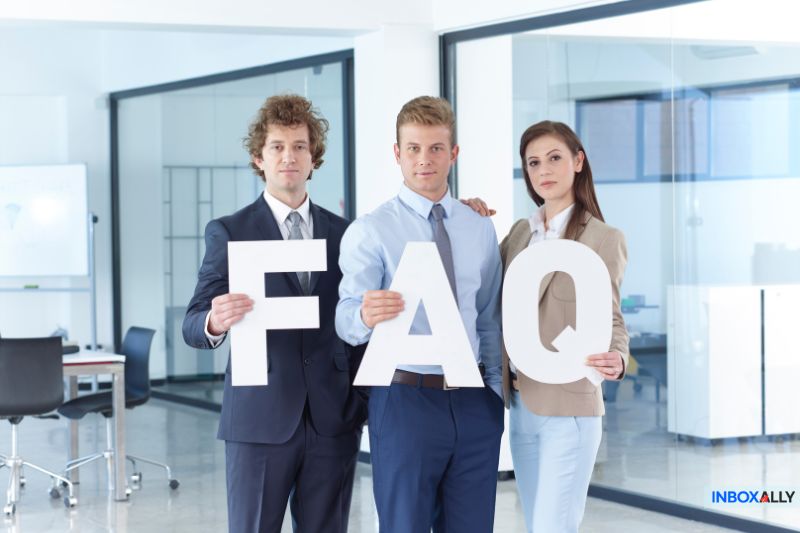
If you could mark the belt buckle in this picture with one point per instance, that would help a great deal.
(445, 386)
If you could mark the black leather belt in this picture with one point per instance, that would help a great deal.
(429, 381)
(514, 380)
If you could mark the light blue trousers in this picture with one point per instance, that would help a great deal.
(553, 461)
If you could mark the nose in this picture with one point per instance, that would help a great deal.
(288, 155)
(424, 158)
(544, 169)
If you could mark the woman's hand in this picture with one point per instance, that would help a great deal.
(609, 364)
(479, 206)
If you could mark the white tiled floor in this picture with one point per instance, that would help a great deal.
(639, 455)
(184, 437)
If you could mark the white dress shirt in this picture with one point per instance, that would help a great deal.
(281, 213)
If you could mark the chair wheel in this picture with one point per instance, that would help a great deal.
(174, 484)
(128, 491)
(63, 484)
(69, 503)
(55, 493)
(9, 509)
(21, 481)
(136, 477)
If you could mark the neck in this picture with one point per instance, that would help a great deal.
(293, 199)
(433, 196)
(554, 207)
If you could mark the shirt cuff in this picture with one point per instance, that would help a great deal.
(360, 332)
(214, 340)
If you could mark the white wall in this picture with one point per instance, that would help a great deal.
(449, 15)
(137, 58)
(49, 114)
(392, 66)
(342, 17)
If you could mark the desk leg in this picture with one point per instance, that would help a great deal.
(73, 430)
(118, 391)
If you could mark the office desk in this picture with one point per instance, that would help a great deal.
(93, 364)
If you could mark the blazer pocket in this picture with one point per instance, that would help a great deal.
(341, 362)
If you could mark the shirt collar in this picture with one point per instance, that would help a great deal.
(281, 211)
(421, 205)
(557, 223)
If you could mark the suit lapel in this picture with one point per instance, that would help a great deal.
(548, 279)
(268, 230)
(321, 227)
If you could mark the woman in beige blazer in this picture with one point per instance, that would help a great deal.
(555, 430)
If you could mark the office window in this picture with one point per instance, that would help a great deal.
(181, 163)
(692, 132)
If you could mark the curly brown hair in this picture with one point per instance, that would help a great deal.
(286, 110)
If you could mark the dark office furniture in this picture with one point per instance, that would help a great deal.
(136, 349)
(31, 383)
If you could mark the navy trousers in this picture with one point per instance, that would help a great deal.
(434, 458)
(312, 472)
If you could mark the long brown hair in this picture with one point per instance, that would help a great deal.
(582, 187)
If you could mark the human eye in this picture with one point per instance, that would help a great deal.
(532, 163)
(555, 157)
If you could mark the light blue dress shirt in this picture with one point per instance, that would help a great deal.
(370, 252)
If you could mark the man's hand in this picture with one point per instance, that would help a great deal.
(378, 306)
(609, 364)
(226, 310)
(479, 206)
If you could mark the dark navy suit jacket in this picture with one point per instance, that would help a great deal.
(311, 365)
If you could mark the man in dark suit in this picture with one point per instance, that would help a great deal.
(297, 438)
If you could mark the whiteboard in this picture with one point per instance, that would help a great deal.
(43, 221)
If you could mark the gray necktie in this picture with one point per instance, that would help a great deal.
(294, 234)
(442, 240)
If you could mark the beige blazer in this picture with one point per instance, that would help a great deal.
(557, 310)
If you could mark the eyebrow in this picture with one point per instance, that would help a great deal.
(548, 153)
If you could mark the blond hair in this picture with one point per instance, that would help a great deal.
(428, 111)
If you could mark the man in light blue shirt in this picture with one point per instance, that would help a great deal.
(434, 450)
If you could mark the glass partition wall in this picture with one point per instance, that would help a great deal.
(179, 162)
(690, 116)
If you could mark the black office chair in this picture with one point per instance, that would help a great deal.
(136, 348)
(31, 383)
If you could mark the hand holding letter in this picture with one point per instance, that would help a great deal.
(226, 310)
(609, 364)
(378, 306)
